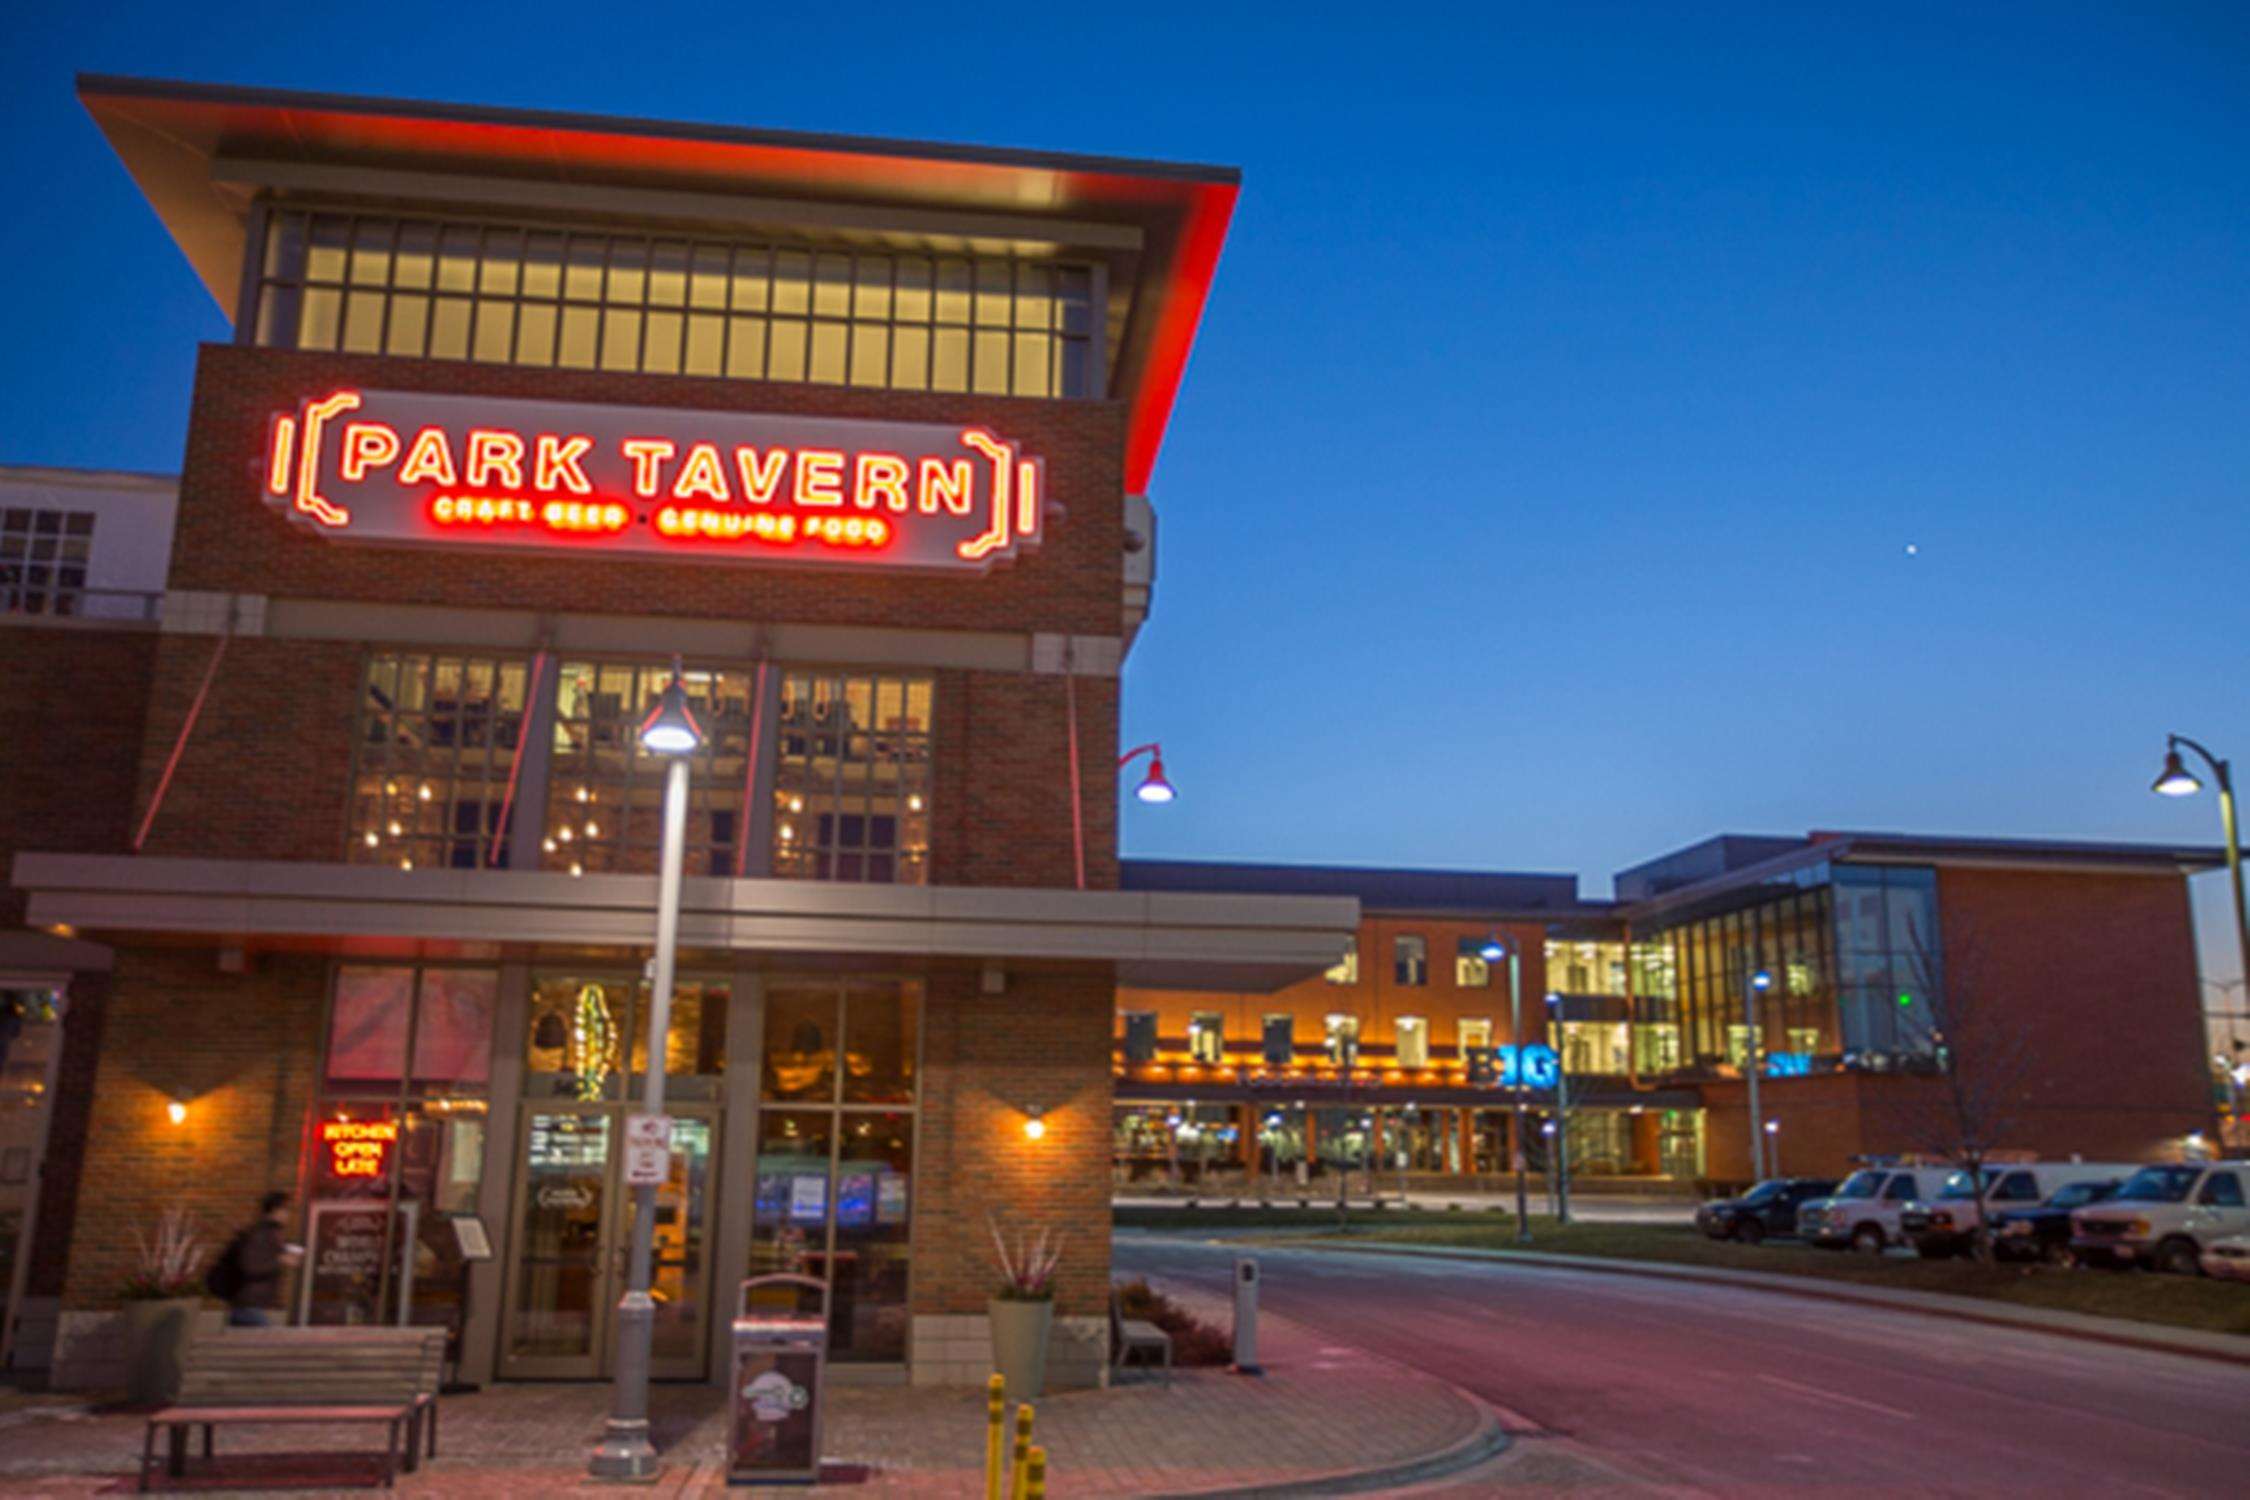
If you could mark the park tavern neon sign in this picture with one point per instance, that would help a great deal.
(398, 467)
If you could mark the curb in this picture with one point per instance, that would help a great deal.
(1964, 1309)
(1488, 1441)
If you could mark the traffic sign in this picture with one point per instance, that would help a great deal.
(648, 1150)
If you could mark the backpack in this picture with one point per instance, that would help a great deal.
(224, 1279)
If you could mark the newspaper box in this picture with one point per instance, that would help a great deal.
(780, 1360)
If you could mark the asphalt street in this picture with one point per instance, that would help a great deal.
(1706, 1389)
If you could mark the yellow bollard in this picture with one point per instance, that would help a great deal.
(1035, 1480)
(1022, 1471)
(995, 1439)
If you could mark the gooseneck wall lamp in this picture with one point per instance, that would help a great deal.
(2177, 780)
(1153, 787)
(625, 1451)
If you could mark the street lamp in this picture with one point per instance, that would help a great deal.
(1561, 1158)
(1495, 948)
(1752, 1065)
(2176, 780)
(625, 1451)
(1153, 787)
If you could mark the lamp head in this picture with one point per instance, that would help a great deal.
(2175, 780)
(1761, 980)
(670, 729)
(1153, 787)
(1494, 949)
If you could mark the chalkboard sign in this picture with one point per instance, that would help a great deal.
(343, 1271)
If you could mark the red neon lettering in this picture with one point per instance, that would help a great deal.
(367, 445)
(880, 479)
(648, 455)
(1003, 457)
(761, 476)
(429, 457)
(946, 483)
(358, 1148)
(703, 475)
(1027, 497)
(495, 458)
(556, 465)
(820, 476)
(309, 499)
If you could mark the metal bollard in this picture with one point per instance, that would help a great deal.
(1020, 1474)
(995, 1438)
(1035, 1480)
(1246, 1317)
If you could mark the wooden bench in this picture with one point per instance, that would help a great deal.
(1130, 1336)
(268, 1376)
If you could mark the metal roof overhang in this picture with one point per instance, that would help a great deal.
(1172, 940)
(172, 137)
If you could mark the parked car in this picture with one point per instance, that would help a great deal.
(1768, 1208)
(2043, 1233)
(1864, 1210)
(2229, 1257)
(1948, 1225)
(2164, 1217)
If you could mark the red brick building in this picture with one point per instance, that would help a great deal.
(521, 409)
(2056, 981)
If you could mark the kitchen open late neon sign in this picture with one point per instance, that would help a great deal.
(401, 467)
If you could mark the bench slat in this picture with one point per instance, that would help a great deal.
(196, 1415)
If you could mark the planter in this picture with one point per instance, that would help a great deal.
(1019, 1344)
(156, 1335)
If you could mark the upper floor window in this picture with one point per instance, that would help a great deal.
(437, 740)
(598, 300)
(1474, 1033)
(43, 559)
(852, 782)
(1342, 1037)
(1413, 1041)
(1207, 1036)
(1471, 970)
(1280, 1039)
(605, 799)
(1345, 970)
(1140, 1036)
(1410, 959)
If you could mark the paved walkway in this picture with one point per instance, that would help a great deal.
(1321, 1410)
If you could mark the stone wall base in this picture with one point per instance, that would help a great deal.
(90, 1347)
(956, 1349)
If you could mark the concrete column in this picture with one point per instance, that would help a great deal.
(488, 1279)
(1465, 1132)
(734, 1174)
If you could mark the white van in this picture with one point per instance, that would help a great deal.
(2163, 1216)
(1947, 1225)
(1864, 1210)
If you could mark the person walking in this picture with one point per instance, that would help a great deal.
(247, 1275)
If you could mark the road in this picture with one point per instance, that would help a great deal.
(1707, 1389)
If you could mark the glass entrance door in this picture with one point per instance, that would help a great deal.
(572, 1240)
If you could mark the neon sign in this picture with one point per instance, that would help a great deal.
(1535, 1066)
(398, 467)
(358, 1148)
(1789, 1064)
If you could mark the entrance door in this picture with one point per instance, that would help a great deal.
(572, 1242)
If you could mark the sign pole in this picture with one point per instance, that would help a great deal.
(1523, 1146)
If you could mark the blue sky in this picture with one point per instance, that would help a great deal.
(1575, 383)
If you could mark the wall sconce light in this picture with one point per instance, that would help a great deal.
(1773, 1127)
(1034, 1123)
(177, 1111)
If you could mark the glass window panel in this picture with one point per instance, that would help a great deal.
(667, 274)
(367, 1027)
(950, 370)
(449, 328)
(410, 325)
(279, 312)
(535, 333)
(543, 266)
(706, 345)
(881, 1044)
(285, 246)
(371, 253)
(746, 348)
(1034, 366)
(580, 329)
(502, 262)
(913, 295)
(993, 283)
(661, 354)
(953, 287)
(800, 1042)
(453, 1028)
(496, 331)
(753, 280)
(621, 339)
(792, 281)
(829, 352)
(910, 359)
(989, 373)
(628, 272)
(785, 358)
(870, 363)
(457, 258)
(832, 286)
(363, 322)
(709, 272)
(325, 252)
(582, 274)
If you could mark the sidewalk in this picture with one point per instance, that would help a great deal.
(2230, 1348)
(1321, 1411)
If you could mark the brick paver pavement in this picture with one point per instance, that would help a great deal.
(1321, 1409)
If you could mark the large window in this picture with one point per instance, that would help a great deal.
(43, 559)
(835, 1160)
(1413, 1036)
(1692, 981)
(1583, 968)
(1140, 1036)
(588, 1037)
(1887, 959)
(1280, 1039)
(605, 800)
(1207, 1037)
(396, 1145)
(1345, 970)
(437, 740)
(1471, 970)
(1410, 959)
(588, 300)
(1340, 1037)
(852, 783)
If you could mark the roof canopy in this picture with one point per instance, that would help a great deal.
(196, 151)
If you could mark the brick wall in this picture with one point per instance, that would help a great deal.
(228, 539)
(240, 1050)
(1044, 1042)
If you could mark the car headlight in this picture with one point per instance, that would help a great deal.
(2137, 1226)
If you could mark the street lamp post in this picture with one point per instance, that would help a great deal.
(1492, 952)
(625, 1451)
(2176, 780)
(1753, 1063)
(1562, 1111)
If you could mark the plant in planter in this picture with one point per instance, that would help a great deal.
(161, 1295)
(1022, 1309)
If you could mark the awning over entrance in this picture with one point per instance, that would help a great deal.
(1157, 939)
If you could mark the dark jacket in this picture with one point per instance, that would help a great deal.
(258, 1259)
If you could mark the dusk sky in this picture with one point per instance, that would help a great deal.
(1613, 424)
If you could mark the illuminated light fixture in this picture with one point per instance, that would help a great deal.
(396, 829)
(548, 845)
(796, 804)
(565, 834)
(176, 1112)
(1153, 788)
(406, 864)
(372, 838)
(423, 791)
(1773, 1127)
(593, 830)
(2175, 780)
(1493, 949)
(576, 868)
(1034, 1124)
(913, 803)
(582, 794)
(1905, 999)
(1761, 980)
(670, 729)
